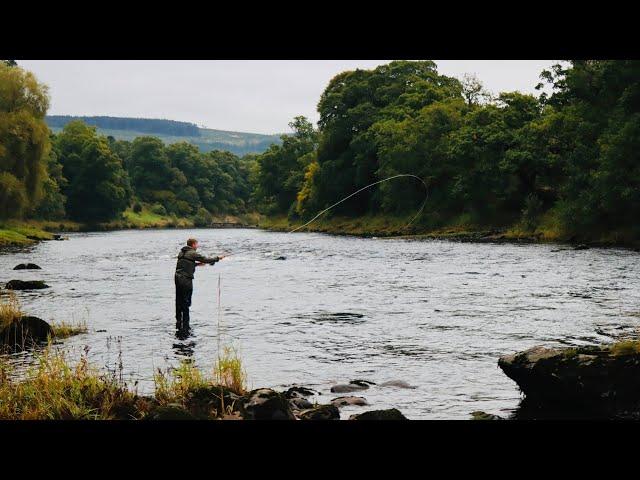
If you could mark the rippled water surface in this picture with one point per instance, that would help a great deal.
(432, 313)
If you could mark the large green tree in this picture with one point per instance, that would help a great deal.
(98, 186)
(24, 140)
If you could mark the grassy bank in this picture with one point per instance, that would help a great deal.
(59, 389)
(28, 232)
(22, 233)
(396, 226)
(549, 229)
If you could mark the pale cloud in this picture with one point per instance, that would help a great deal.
(259, 96)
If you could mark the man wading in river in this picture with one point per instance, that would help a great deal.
(188, 260)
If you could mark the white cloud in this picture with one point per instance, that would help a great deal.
(251, 96)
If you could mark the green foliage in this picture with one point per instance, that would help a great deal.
(24, 140)
(98, 186)
(203, 218)
(170, 132)
(566, 162)
(281, 168)
(158, 209)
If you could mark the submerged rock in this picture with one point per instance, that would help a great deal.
(321, 412)
(397, 384)
(390, 414)
(352, 386)
(25, 285)
(345, 401)
(265, 404)
(25, 333)
(27, 266)
(604, 379)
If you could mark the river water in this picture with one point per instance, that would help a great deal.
(436, 314)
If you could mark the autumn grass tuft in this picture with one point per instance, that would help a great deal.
(626, 347)
(9, 309)
(229, 372)
(66, 329)
(54, 389)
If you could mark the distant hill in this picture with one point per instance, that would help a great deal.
(170, 131)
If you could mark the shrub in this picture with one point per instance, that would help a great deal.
(158, 209)
(203, 218)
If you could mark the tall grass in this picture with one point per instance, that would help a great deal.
(229, 372)
(56, 389)
(10, 310)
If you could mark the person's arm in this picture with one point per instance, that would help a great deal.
(202, 259)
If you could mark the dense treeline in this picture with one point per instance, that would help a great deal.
(83, 176)
(143, 125)
(566, 161)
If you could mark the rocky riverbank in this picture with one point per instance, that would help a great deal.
(389, 226)
(580, 382)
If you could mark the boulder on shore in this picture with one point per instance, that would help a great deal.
(321, 412)
(300, 403)
(24, 333)
(600, 378)
(25, 285)
(27, 266)
(390, 414)
(297, 392)
(265, 404)
(171, 412)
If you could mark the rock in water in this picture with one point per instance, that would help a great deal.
(344, 401)
(346, 388)
(321, 412)
(25, 285)
(352, 386)
(27, 266)
(397, 384)
(265, 404)
(296, 392)
(25, 333)
(390, 414)
(603, 378)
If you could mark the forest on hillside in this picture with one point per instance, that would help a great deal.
(146, 125)
(565, 160)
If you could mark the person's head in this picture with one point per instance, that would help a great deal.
(193, 243)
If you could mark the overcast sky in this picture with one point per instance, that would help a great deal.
(249, 96)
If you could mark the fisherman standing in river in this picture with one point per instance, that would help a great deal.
(188, 260)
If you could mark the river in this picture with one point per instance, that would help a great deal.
(436, 314)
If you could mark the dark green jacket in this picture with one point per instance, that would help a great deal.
(187, 259)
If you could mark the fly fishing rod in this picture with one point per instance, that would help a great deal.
(369, 186)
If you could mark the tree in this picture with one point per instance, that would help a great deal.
(473, 91)
(282, 167)
(350, 106)
(24, 138)
(98, 185)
